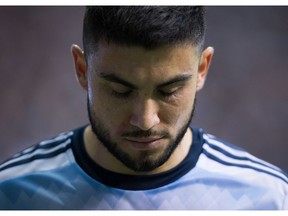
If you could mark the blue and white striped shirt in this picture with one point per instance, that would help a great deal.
(215, 175)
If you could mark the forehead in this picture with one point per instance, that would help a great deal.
(135, 60)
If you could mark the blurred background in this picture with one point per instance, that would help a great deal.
(245, 100)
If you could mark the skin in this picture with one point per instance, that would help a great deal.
(143, 99)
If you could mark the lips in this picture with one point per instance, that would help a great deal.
(144, 143)
(143, 140)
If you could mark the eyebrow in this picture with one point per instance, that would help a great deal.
(114, 78)
(180, 78)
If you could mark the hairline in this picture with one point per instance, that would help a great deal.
(91, 52)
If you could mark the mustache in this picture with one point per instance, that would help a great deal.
(146, 134)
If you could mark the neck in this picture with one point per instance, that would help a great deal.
(100, 155)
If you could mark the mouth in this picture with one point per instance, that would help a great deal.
(144, 143)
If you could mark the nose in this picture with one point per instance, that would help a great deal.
(145, 114)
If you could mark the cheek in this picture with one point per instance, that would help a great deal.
(102, 106)
(177, 113)
(112, 114)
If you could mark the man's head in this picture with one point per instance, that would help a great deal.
(142, 67)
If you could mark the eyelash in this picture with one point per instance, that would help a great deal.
(121, 95)
(168, 95)
(128, 93)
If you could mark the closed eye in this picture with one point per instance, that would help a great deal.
(121, 94)
(120, 90)
(169, 92)
(172, 87)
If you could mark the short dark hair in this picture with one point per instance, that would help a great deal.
(146, 26)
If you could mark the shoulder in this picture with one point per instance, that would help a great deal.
(45, 155)
(233, 170)
(227, 158)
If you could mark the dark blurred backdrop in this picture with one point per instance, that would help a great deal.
(245, 100)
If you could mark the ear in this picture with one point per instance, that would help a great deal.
(203, 68)
(80, 66)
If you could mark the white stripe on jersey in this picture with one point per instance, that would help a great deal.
(60, 137)
(39, 151)
(228, 159)
(238, 153)
(247, 177)
(44, 164)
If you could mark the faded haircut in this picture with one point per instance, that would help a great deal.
(146, 26)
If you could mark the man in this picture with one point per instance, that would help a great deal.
(141, 68)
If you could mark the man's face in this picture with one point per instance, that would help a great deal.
(140, 102)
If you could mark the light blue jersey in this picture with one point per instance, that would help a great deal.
(58, 174)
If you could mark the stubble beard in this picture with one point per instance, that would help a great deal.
(143, 163)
